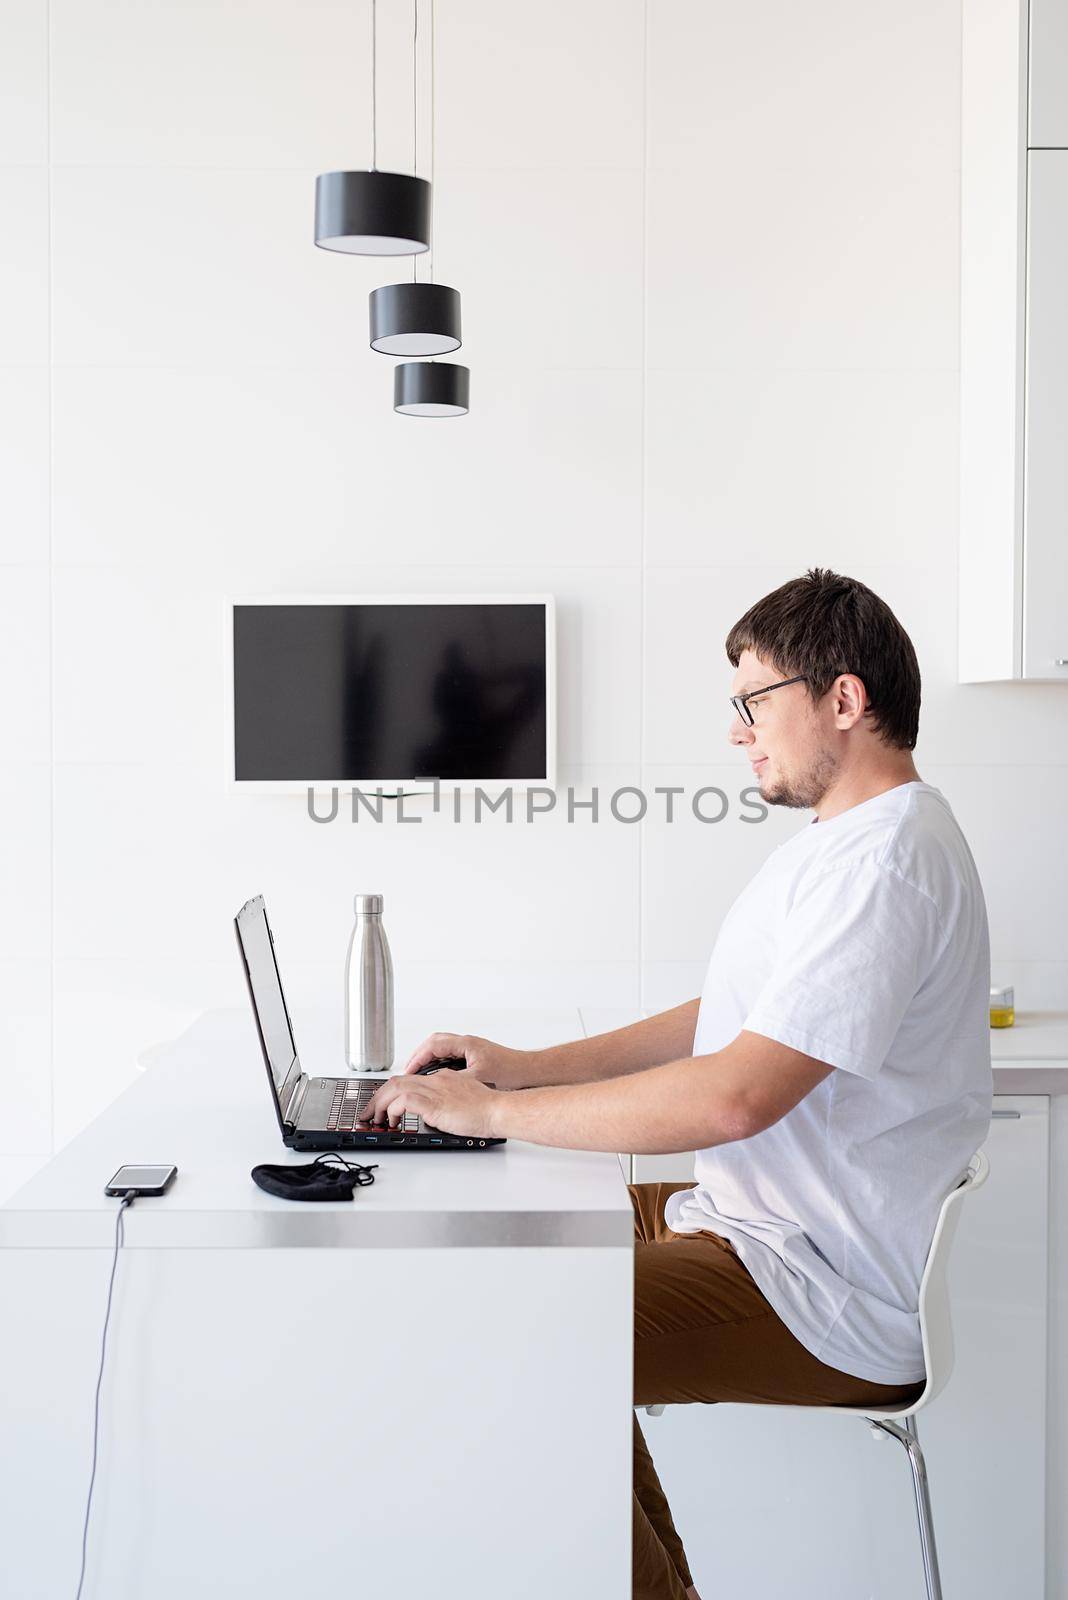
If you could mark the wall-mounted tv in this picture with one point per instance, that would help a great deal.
(393, 690)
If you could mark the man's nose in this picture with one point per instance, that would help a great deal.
(739, 732)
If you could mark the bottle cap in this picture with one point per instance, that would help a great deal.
(367, 904)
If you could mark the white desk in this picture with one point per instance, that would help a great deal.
(424, 1391)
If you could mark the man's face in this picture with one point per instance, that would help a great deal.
(789, 747)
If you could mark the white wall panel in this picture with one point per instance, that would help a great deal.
(265, 476)
(25, 1057)
(24, 462)
(17, 1170)
(190, 83)
(109, 1012)
(670, 983)
(25, 711)
(25, 945)
(24, 243)
(799, 467)
(282, 85)
(25, 864)
(688, 613)
(1012, 820)
(24, 662)
(830, 86)
(777, 263)
(548, 85)
(24, 82)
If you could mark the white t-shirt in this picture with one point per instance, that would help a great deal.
(863, 942)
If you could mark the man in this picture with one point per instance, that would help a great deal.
(834, 1076)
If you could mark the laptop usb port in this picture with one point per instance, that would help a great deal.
(370, 1138)
(433, 1140)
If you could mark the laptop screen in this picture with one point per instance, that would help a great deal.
(265, 986)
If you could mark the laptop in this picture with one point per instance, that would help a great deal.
(318, 1113)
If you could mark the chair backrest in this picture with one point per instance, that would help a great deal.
(936, 1324)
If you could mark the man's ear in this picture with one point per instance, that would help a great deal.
(849, 699)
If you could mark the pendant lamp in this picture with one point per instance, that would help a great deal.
(431, 389)
(372, 213)
(415, 319)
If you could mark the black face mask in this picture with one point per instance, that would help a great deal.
(314, 1180)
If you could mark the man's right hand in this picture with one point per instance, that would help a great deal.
(486, 1061)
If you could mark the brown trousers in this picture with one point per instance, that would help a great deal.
(704, 1332)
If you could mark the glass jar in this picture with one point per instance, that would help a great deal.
(1002, 1007)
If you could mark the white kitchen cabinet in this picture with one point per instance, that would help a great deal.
(1048, 87)
(779, 1503)
(1013, 571)
(1045, 548)
(662, 1169)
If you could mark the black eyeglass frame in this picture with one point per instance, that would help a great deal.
(740, 701)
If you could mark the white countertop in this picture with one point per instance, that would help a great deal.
(1031, 1057)
(204, 1104)
(1034, 1036)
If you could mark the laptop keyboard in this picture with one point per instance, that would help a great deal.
(349, 1105)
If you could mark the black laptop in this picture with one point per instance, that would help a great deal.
(319, 1113)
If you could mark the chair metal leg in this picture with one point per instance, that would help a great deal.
(909, 1437)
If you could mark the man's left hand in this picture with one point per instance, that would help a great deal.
(455, 1102)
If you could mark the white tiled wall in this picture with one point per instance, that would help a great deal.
(709, 260)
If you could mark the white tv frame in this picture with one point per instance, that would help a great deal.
(407, 785)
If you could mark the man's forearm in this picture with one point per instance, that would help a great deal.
(659, 1111)
(649, 1043)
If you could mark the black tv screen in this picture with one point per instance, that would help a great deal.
(380, 691)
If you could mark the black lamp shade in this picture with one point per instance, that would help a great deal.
(415, 319)
(372, 213)
(431, 389)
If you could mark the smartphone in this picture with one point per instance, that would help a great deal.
(142, 1180)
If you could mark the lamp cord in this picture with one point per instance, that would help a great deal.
(415, 131)
(415, 114)
(120, 1235)
(374, 85)
(433, 125)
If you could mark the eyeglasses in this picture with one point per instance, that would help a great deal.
(740, 702)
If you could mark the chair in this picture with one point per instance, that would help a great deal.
(936, 1330)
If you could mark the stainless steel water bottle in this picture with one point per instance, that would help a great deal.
(369, 990)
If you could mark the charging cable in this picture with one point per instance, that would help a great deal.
(120, 1235)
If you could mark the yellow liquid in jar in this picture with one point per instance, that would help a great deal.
(1002, 1016)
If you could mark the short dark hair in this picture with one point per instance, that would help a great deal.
(822, 625)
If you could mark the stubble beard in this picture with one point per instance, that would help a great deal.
(805, 790)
